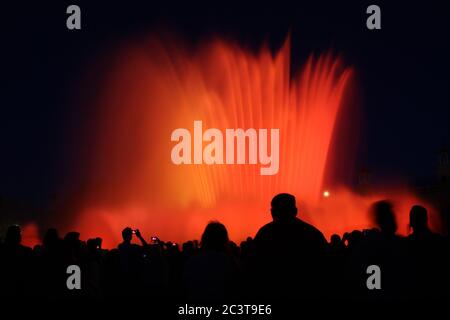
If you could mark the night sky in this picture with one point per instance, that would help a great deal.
(403, 74)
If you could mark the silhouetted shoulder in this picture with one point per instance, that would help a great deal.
(295, 225)
(310, 230)
(265, 229)
(286, 235)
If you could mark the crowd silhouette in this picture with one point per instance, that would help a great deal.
(287, 259)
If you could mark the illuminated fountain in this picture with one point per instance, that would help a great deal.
(155, 87)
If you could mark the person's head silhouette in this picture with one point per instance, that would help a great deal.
(283, 207)
(13, 235)
(418, 219)
(215, 237)
(335, 240)
(127, 234)
(51, 237)
(384, 216)
(91, 245)
(72, 237)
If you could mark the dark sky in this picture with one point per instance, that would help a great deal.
(403, 73)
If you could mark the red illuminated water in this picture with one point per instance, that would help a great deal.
(154, 87)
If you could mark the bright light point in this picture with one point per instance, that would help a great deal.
(326, 194)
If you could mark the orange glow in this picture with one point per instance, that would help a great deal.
(346, 211)
(155, 87)
(30, 234)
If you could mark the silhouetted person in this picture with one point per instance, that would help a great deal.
(130, 261)
(154, 271)
(418, 221)
(13, 237)
(93, 269)
(353, 239)
(384, 218)
(52, 273)
(51, 239)
(212, 274)
(427, 251)
(74, 248)
(127, 235)
(247, 248)
(15, 259)
(289, 254)
(384, 248)
(337, 264)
